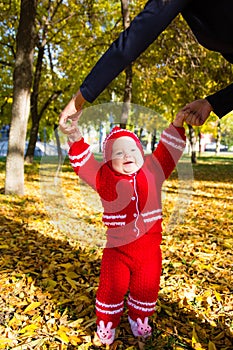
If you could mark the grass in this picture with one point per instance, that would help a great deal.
(50, 265)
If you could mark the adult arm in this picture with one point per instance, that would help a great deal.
(144, 29)
(222, 101)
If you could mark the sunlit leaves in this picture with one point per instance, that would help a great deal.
(48, 280)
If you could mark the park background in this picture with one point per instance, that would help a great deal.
(48, 277)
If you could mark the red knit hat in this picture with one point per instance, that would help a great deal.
(115, 134)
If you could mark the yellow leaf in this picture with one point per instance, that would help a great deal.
(30, 279)
(218, 296)
(89, 323)
(195, 339)
(213, 323)
(228, 243)
(72, 274)
(64, 301)
(211, 346)
(74, 340)
(67, 266)
(220, 335)
(198, 346)
(76, 323)
(33, 344)
(64, 329)
(14, 322)
(71, 282)
(4, 246)
(29, 329)
(9, 100)
(57, 314)
(62, 336)
(205, 267)
(32, 306)
(49, 284)
(84, 298)
(167, 309)
(4, 342)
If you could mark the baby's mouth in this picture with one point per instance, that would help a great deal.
(129, 162)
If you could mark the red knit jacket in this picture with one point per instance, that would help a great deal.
(132, 203)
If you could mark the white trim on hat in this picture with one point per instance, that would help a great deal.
(112, 133)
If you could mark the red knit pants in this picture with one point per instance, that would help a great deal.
(135, 267)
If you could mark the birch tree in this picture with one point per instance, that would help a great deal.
(22, 80)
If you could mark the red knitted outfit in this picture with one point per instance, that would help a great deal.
(133, 215)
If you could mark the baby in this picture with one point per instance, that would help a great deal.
(129, 185)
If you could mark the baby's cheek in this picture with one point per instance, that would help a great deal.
(140, 162)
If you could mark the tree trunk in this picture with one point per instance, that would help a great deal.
(153, 140)
(218, 140)
(128, 70)
(23, 72)
(193, 144)
(34, 107)
(59, 150)
(35, 113)
(127, 96)
(32, 142)
(199, 143)
(36, 123)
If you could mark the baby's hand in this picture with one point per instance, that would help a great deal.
(179, 119)
(73, 110)
(75, 136)
(71, 129)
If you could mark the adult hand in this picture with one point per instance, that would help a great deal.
(72, 111)
(197, 112)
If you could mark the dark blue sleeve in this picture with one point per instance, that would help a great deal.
(222, 101)
(144, 29)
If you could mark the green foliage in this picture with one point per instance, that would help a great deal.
(9, 12)
(173, 71)
(227, 129)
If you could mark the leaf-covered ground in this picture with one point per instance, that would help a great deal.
(49, 276)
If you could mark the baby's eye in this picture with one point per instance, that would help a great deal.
(119, 153)
(133, 149)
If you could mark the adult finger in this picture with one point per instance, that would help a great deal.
(75, 116)
(194, 119)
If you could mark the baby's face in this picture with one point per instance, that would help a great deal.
(126, 156)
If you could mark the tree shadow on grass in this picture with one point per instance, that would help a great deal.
(214, 172)
(59, 276)
(178, 327)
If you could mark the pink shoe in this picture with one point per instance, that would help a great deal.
(139, 328)
(106, 334)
